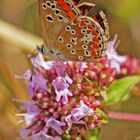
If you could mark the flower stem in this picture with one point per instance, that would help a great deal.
(124, 116)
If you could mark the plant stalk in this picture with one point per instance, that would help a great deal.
(16, 36)
(124, 116)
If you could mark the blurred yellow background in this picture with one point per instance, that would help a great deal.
(19, 35)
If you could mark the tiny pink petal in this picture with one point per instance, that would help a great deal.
(70, 119)
(61, 89)
(56, 125)
(82, 111)
(114, 59)
(44, 136)
(38, 62)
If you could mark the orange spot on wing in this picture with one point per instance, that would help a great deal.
(71, 14)
(95, 39)
(66, 7)
(94, 32)
(94, 54)
(95, 18)
(96, 45)
(75, 3)
(83, 23)
(76, 21)
(90, 27)
(61, 2)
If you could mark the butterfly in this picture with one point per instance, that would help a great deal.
(69, 33)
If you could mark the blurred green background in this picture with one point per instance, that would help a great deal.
(19, 34)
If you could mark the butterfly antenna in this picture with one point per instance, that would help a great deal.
(116, 41)
(42, 49)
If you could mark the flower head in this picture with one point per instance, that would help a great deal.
(131, 66)
(70, 119)
(60, 68)
(78, 113)
(43, 136)
(82, 111)
(56, 125)
(114, 59)
(36, 84)
(65, 96)
(61, 89)
(39, 62)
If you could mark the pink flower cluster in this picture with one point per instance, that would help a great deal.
(131, 66)
(123, 65)
(65, 97)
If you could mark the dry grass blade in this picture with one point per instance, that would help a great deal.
(18, 37)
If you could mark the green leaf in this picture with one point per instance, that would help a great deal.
(94, 134)
(119, 90)
(104, 116)
(104, 95)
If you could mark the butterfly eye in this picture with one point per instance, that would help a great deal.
(80, 57)
(60, 39)
(57, 11)
(42, 49)
(73, 51)
(87, 53)
(50, 18)
(44, 6)
(84, 46)
(73, 32)
(69, 46)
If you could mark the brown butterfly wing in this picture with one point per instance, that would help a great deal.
(101, 19)
(53, 18)
(83, 39)
(68, 35)
(85, 7)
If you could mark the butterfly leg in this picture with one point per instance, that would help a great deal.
(42, 49)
